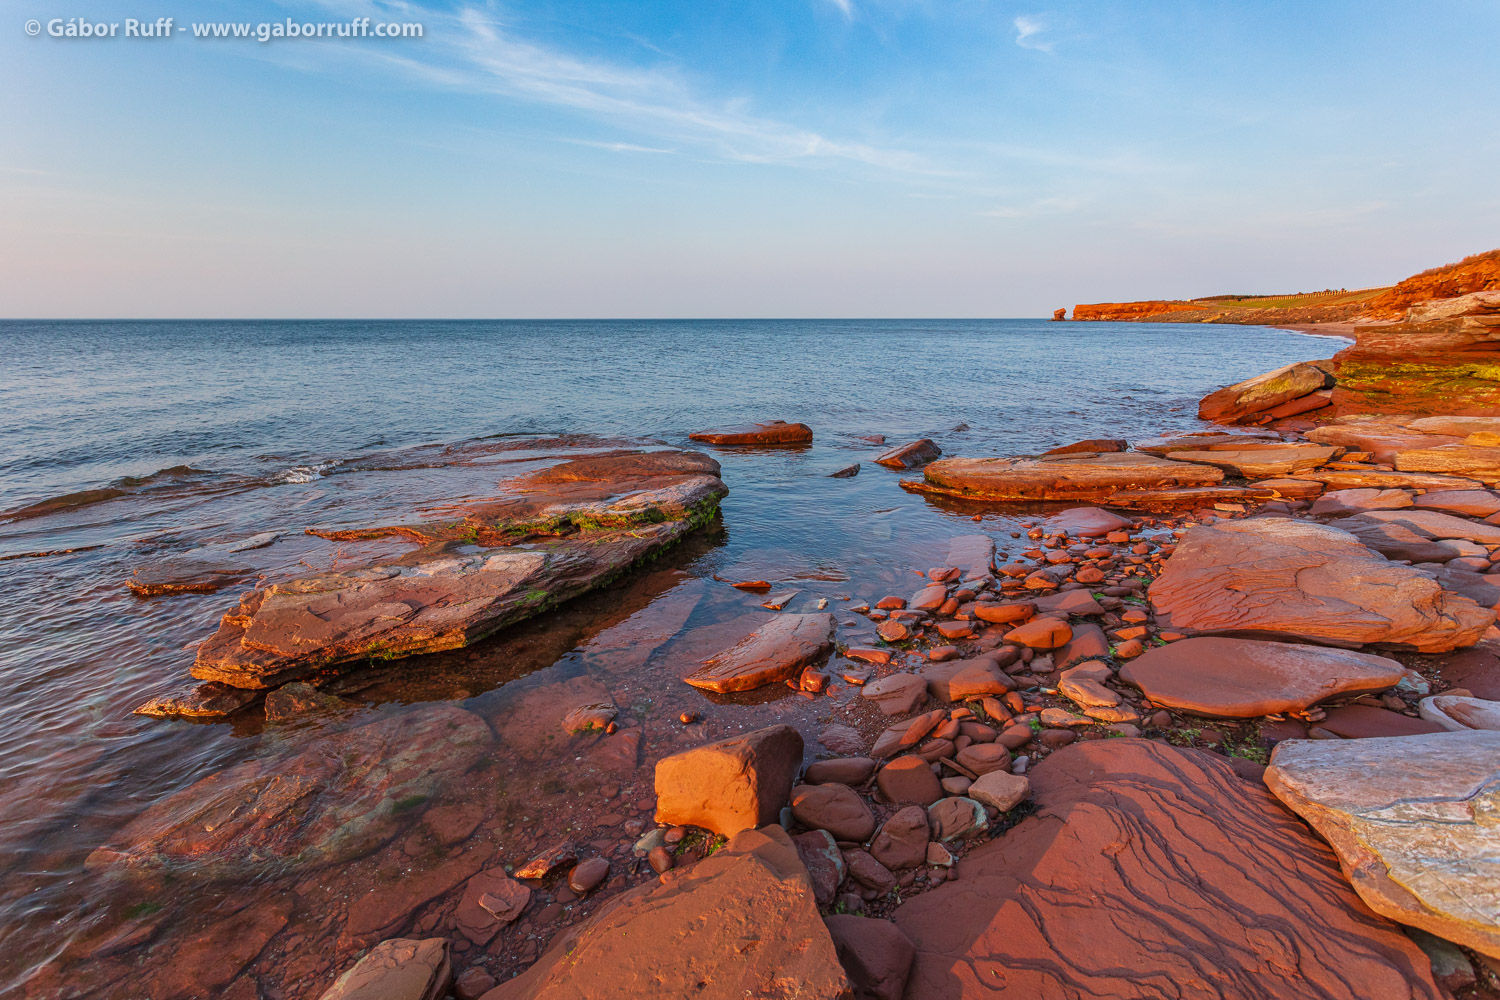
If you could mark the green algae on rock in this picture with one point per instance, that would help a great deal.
(553, 533)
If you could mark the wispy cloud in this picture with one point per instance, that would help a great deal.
(1027, 30)
(619, 147)
(845, 6)
(475, 52)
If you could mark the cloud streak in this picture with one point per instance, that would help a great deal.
(1027, 30)
(474, 52)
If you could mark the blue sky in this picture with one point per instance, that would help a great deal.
(806, 158)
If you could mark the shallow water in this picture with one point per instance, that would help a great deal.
(209, 433)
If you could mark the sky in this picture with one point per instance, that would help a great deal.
(808, 158)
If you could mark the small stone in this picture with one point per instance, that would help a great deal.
(902, 840)
(587, 875)
(554, 857)
(909, 779)
(833, 807)
(660, 860)
(1000, 789)
(473, 983)
(939, 855)
(956, 818)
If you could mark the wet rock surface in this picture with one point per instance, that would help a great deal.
(330, 803)
(564, 530)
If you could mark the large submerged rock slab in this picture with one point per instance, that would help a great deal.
(1415, 821)
(1154, 872)
(741, 923)
(1276, 578)
(1061, 477)
(1245, 678)
(331, 802)
(550, 535)
(775, 652)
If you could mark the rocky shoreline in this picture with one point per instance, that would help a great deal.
(1217, 723)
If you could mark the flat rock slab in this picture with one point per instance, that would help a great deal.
(1470, 503)
(1246, 678)
(1149, 871)
(1277, 578)
(1458, 714)
(554, 533)
(775, 652)
(773, 432)
(1393, 539)
(1382, 440)
(741, 923)
(1170, 443)
(1347, 479)
(1350, 501)
(1412, 820)
(1095, 446)
(1473, 461)
(398, 969)
(912, 455)
(1086, 522)
(1062, 477)
(332, 802)
(1262, 392)
(1366, 722)
(973, 556)
(1258, 463)
(1436, 524)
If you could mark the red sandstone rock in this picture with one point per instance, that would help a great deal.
(909, 779)
(398, 969)
(835, 808)
(902, 840)
(1243, 678)
(765, 938)
(824, 862)
(973, 556)
(732, 785)
(1087, 522)
(1200, 440)
(775, 652)
(333, 801)
(1183, 865)
(1096, 446)
(590, 519)
(912, 455)
(1276, 578)
(1063, 477)
(1471, 503)
(897, 694)
(1041, 633)
(1357, 722)
(875, 953)
(1260, 463)
(1263, 392)
(845, 770)
(773, 432)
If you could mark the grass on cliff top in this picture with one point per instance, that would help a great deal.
(1297, 300)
